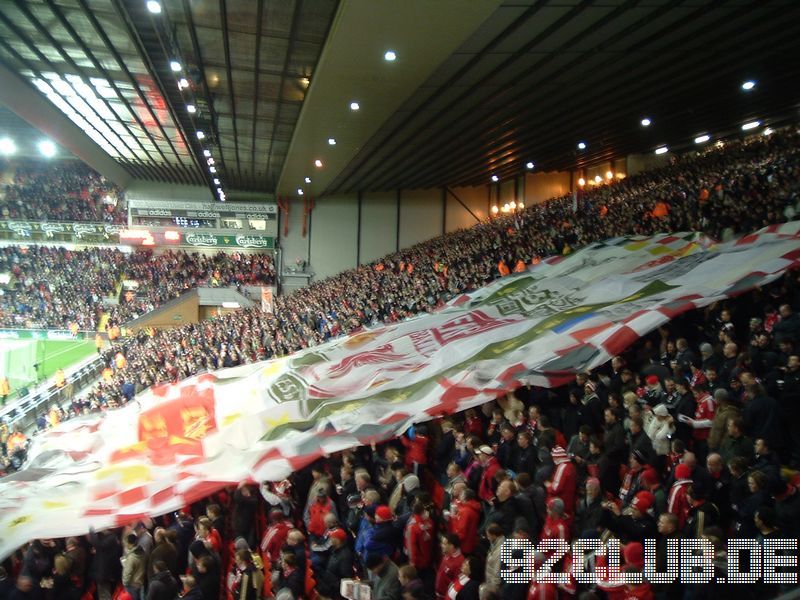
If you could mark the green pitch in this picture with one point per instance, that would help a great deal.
(18, 357)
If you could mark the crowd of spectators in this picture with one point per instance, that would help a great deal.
(165, 276)
(59, 191)
(53, 287)
(725, 191)
(686, 435)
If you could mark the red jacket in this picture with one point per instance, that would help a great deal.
(543, 591)
(448, 571)
(416, 450)
(555, 529)
(618, 590)
(316, 516)
(677, 502)
(464, 524)
(563, 484)
(705, 411)
(274, 539)
(473, 426)
(487, 484)
(419, 539)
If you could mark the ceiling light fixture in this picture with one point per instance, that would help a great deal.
(210, 161)
(646, 122)
(331, 142)
(662, 150)
(212, 169)
(7, 146)
(390, 56)
(318, 163)
(201, 135)
(529, 165)
(581, 145)
(183, 83)
(609, 175)
(597, 179)
(191, 109)
(154, 7)
(299, 191)
(216, 181)
(750, 125)
(702, 139)
(495, 209)
(748, 85)
(307, 180)
(495, 178)
(355, 106)
(207, 153)
(47, 148)
(581, 181)
(768, 131)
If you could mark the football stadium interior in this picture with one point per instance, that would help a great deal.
(399, 300)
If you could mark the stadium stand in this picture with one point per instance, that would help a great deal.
(62, 191)
(683, 436)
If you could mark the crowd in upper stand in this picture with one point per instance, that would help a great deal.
(725, 191)
(54, 287)
(59, 191)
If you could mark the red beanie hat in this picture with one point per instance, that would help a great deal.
(682, 471)
(651, 379)
(642, 501)
(633, 554)
(384, 513)
(649, 477)
(339, 534)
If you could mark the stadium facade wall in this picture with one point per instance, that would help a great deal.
(141, 189)
(351, 229)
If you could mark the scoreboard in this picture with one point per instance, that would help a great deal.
(228, 216)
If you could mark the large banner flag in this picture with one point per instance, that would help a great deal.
(177, 443)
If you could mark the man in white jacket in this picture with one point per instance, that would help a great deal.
(659, 425)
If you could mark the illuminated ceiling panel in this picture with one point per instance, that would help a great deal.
(87, 65)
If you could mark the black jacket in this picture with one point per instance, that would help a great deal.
(106, 567)
(340, 566)
(163, 586)
(629, 529)
(444, 451)
(787, 509)
(244, 513)
(589, 514)
(525, 461)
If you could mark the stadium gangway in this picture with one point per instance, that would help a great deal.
(24, 411)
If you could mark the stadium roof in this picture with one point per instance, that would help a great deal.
(478, 88)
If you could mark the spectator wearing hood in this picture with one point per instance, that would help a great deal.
(134, 567)
(659, 427)
(316, 511)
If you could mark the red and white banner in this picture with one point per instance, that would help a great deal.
(178, 443)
